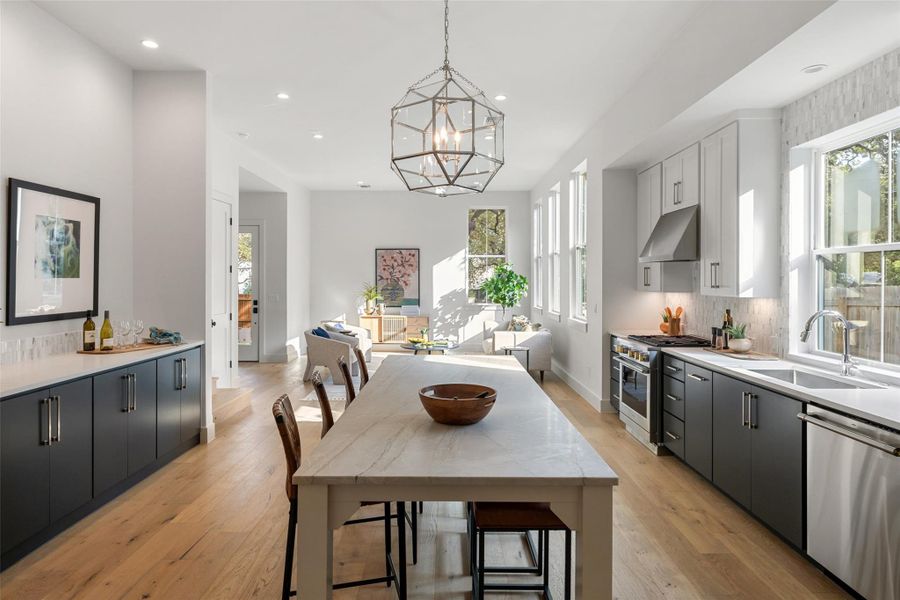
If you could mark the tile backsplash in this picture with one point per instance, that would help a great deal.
(32, 348)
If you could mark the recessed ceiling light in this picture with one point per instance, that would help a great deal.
(243, 135)
(282, 96)
(814, 68)
(363, 185)
(150, 44)
(317, 135)
(499, 97)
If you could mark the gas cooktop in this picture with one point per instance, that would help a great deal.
(668, 341)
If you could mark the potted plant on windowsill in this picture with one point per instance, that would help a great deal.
(370, 294)
(505, 287)
(737, 338)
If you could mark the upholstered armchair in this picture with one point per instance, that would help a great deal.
(325, 352)
(496, 336)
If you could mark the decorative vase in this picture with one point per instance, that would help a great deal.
(740, 345)
(674, 327)
(392, 292)
(380, 308)
(370, 307)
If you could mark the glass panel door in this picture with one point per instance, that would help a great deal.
(248, 293)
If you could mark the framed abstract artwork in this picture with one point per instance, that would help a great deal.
(52, 259)
(397, 275)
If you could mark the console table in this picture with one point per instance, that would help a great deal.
(392, 329)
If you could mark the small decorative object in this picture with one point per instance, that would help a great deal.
(52, 253)
(671, 321)
(397, 276)
(164, 336)
(505, 287)
(424, 332)
(370, 294)
(446, 137)
(380, 309)
(457, 403)
(738, 340)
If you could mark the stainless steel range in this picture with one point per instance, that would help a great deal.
(637, 358)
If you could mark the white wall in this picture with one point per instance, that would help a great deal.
(66, 122)
(722, 39)
(269, 211)
(349, 226)
(228, 157)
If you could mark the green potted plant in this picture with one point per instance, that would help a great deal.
(370, 294)
(505, 287)
(737, 337)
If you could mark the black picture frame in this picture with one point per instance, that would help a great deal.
(14, 187)
(418, 274)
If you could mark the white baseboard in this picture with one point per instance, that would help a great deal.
(281, 357)
(579, 387)
(208, 433)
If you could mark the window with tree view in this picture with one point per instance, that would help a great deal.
(858, 256)
(487, 248)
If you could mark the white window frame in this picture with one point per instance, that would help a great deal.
(537, 256)
(504, 256)
(554, 277)
(578, 244)
(815, 207)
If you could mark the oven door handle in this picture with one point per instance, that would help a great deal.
(849, 433)
(633, 366)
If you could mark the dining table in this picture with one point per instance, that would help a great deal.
(385, 447)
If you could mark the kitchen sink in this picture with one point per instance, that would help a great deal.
(811, 380)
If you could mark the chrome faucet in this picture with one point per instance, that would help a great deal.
(847, 364)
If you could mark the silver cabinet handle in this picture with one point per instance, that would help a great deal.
(127, 381)
(750, 398)
(133, 378)
(849, 433)
(178, 377)
(697, 377)
(673, 436)
(673, 398)
(628, 365)
(58, 436)
(49, 440)
(673, 369)
(184, 373)
(744, 420)
(616, 398)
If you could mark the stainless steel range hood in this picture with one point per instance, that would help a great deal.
(674, 238)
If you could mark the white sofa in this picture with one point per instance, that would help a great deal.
(325, 352)
(540, 343)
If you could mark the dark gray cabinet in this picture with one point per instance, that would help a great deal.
(758, 453)
(179, 398)
(124, 422)
(673, 434)
(698, 419)
(45, 465)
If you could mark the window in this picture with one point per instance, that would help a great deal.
(578, 242)
(553, 247)
(537, 254)
(487, 248)
(857, 253)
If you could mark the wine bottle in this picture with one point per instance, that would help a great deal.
(725, 326)
(89, 334)
(106, 333)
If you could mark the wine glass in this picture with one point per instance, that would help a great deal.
(124, 331)
(137, 328)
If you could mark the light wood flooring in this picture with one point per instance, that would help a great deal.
(212, 525)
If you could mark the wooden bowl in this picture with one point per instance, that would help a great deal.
(456, 403)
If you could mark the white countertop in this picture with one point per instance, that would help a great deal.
(879, 405)
(386, 436)
(45, 372)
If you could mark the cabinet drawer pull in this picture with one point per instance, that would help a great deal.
(673, 436)
(697, 377)
(673, 398)
(750, 397)
(133, 378)
(183, 373)
(48, 441)
(58, 436)
(673, 369)
(127, 381)
(616, 398)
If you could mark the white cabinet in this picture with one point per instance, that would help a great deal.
(681, 179)
(740, 210)
(656, 277)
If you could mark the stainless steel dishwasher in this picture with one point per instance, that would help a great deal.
(853, 501)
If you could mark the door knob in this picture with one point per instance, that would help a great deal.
(213, 322)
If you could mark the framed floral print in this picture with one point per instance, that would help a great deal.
(52, 254)
(397, 275)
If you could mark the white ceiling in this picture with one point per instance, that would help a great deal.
(562, 64)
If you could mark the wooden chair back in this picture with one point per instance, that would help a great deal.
(286, 422)
(363, 368)
(324, 403)
(348, 380)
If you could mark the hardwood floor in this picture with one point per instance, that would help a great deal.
(212, 525)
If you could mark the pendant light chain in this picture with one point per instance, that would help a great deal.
(446, 39)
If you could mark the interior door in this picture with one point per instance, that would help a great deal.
(248, 293)
(221, 292)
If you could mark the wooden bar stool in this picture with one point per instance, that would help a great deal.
(286, 421)
(515, 517)
(348, 380)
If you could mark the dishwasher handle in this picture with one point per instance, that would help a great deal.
(849, 433)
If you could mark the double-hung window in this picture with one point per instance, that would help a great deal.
(578, 243)
(553, 249)
(537, 256)
(857, 246)
(486, 248)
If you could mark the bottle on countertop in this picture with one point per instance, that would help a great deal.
(106, 333)
(89, 334)
(726, 323)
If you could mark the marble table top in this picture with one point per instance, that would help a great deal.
(386, 437)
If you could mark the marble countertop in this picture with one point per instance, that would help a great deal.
(45, 372)
(878, 404)
(386, 436)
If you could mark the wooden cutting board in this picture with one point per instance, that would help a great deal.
(141, 346)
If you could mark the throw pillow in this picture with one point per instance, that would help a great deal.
(534, 327)
(333, 327)
(321, 333)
